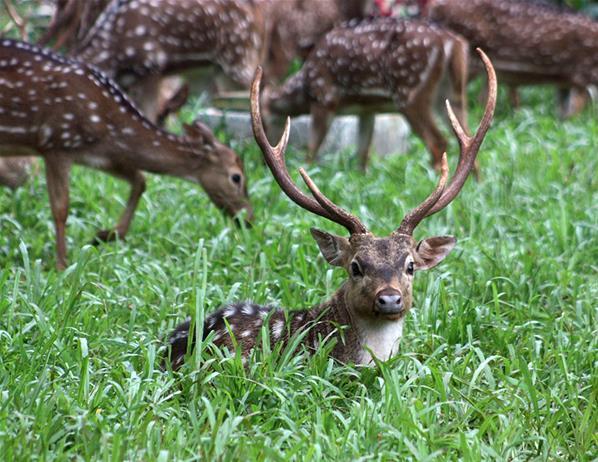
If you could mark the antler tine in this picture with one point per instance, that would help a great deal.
(413, 218)
(469, 146)
(351, 222)
(274, 157)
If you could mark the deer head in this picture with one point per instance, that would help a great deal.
(380, 269)
(221, 171)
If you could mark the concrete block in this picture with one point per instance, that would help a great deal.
(391, 131)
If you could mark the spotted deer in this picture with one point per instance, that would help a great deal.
(70, 113)
(372, 66)
(366, 314)
(529, 42)
(137, 42)
(72, 21)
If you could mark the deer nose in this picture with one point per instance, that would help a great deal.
(389, 301)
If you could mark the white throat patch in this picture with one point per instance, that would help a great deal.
(381, 338)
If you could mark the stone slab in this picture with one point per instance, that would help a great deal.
(390, 133)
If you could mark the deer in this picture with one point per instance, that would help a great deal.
(70, 113)
(365, 315)
(372, 66)
(529, 42)
(139, 42)
(71, 22)
(295, 26)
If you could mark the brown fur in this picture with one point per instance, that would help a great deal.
(378, 65)
(351, 317)
(96, 125)
(529, 43)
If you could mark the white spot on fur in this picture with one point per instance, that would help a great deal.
(277, 329)
(247, 309)
(229, 312)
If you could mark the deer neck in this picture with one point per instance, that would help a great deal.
(291, 99)
(164, 153)
(361, 337)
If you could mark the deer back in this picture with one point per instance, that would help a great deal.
(526, 37)
(141, 37)
(370, 62)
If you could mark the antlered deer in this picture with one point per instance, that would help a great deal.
(70, 113)
(528, 42)
(137, 42)
(373, 66)
(371, 305)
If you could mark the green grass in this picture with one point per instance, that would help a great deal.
(497, 362)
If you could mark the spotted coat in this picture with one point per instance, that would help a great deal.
(378, 65)
(526, 40)
(71, 113)
(142, 37)
(383, 57)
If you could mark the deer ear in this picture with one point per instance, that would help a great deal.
(335, 249)
(432, 251)
(201, 131)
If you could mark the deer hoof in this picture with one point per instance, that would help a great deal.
(105, 235)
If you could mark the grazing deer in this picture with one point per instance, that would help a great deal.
(70, 113)
(373, 66)
(366, 314)
(139, 41)
(529, 42)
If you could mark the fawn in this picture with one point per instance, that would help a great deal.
(370, 307)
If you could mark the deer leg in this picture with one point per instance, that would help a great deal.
(321, 118)
(174, 103)
(146, 95)
(423, 125)
(459, 71)
(366, 133)
(137, 181)
(572, 101)
(57, 180)
(514, 97)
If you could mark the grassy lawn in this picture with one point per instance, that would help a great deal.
(497, 362)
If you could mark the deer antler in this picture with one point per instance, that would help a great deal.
(274, 157)
(469, 147)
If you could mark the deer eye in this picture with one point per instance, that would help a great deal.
(410, 268)
(356, 269)
(236, 178)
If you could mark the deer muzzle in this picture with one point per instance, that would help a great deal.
(389, 302)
